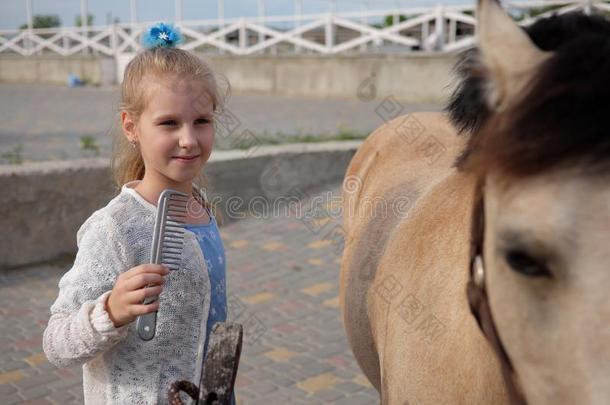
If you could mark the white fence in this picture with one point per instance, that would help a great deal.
(443, 29)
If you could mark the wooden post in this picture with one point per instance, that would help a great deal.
(221, 363)
(218, 371)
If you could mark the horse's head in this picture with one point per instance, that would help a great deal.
(536, 106)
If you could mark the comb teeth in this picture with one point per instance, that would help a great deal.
(169, 238)
(167, 243)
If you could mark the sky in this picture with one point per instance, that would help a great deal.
(13, 13)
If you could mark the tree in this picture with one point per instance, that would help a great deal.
(388, 21)
(78, 22)
(43, 21)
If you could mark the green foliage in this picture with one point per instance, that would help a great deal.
(14, 157)
(78, 22)
(388, 21)
(89, 143)
(43, 21)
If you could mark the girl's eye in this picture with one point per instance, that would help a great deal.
(169, 123)
(202, 121)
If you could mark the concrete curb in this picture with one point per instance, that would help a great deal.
(44, 204)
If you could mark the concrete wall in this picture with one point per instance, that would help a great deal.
(44, 204)
(421, 78)
(417, 78)
(55, 69)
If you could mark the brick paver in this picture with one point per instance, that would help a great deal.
(295, 351)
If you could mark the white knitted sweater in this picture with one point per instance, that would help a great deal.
(119, 367)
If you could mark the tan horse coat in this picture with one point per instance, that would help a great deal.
(403, 277)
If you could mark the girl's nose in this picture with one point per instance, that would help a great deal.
(187, 138)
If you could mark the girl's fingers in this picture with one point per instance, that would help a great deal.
(136, 297)
(138, 281)
(144, 268)
(141, 309)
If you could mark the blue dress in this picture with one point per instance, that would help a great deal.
(214, 254)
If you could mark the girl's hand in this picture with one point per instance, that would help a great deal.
(124, 303)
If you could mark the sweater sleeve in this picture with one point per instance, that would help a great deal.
(79, 327)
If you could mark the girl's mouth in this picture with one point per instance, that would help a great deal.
(186, 159)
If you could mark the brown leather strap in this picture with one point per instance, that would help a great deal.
(479, 306)
(479, 303)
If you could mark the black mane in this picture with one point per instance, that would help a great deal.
(564, 115)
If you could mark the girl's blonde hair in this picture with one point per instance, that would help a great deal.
(127, 163)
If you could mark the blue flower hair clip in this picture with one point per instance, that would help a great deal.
(161, 36)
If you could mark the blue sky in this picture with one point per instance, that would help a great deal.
(13, 14)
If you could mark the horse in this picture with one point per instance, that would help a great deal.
(488, 284)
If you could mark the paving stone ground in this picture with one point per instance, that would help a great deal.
(283, 287)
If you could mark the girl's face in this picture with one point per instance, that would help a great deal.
(175, 132)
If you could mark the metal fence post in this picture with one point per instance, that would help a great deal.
(329, 34)
(365, 21)
(439, 28)
(243, 40)
(221, 22)
(84, 24)
(28, 42)
(298, 11)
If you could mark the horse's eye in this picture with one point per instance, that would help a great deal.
(523, 263)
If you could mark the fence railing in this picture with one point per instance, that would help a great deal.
(440, 29)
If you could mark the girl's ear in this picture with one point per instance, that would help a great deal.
(129, 126)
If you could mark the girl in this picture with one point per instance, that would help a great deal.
(169, 98)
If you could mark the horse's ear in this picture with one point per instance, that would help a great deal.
(508, 54)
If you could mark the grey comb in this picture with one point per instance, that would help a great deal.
(167, 243)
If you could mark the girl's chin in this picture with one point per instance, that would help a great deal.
(184, 175)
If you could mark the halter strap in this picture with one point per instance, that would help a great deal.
(479, 303)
